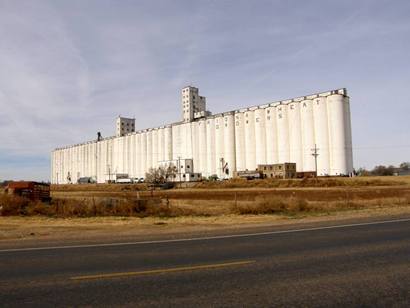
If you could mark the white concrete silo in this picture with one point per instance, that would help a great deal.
(188, 141)
(155, 151)
(89, 161)
(102, 161)
(144, 153)
(168, 143)
(138, 155)
(84, 164)
(114, 158)
(229, 144)
(182, 141)
(124, 154)
(283, 133)
(161, 144)
(127, 156)
(250, 143)
(195, 144)
(210, 144)
(79, 164)
(219, 144)
(240, 141)
(271, 136)
(308, 134)
(320, 119)
(260, 136)
(337, 134)
(149, 149)
(203, 160)
(295, 135)
(133, 168)
(176, 141)
(348, 127)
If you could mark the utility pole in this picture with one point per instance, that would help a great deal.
(222, 160)
(315, 154)
(109, 173)
(179, 168)
(96, 160)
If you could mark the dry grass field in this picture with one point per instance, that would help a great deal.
(88, 210)
(237, 197)
(234, 197)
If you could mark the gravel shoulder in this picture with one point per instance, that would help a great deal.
(33, 231)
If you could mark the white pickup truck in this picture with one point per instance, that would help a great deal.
(124, 181)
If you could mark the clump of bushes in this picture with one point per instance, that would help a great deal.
(18, 206)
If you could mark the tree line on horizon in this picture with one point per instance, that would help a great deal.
(381, 170)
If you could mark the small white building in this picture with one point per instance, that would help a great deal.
(124, 126)
(193, 105)
(180, 170)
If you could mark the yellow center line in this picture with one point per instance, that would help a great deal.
(163, 271)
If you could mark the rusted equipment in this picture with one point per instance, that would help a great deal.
(32, 190)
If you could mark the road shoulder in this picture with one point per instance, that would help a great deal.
(18, 232)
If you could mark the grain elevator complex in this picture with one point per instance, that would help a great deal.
(221, 144)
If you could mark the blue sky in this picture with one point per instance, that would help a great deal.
(68, 68)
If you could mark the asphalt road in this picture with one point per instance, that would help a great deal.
(347, 265)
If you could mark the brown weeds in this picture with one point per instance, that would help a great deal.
(307, 182)
(294, 202)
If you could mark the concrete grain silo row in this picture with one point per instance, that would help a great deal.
(279, 132)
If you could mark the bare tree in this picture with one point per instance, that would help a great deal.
(156, 176)
(405, 166)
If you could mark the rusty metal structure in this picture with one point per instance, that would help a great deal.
(34, 191)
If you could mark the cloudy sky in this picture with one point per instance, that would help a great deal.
(68, 67)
